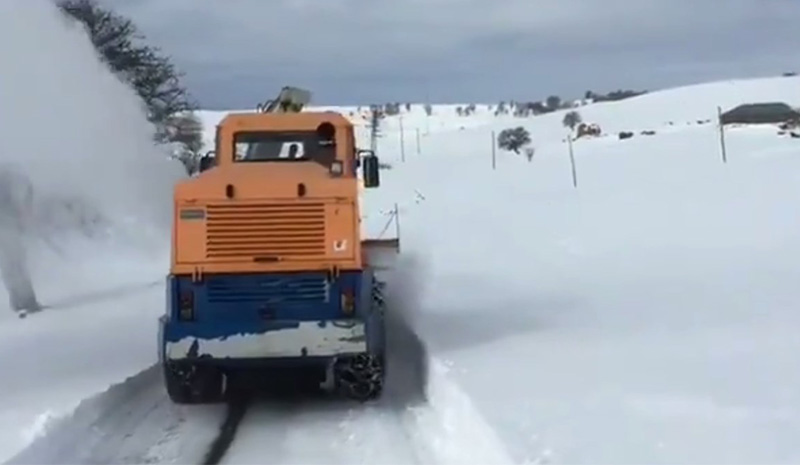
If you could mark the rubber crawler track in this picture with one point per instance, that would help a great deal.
(237, 408)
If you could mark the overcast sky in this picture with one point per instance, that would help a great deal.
(236, 52)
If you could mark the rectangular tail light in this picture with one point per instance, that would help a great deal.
(186, 306)
(348, 302)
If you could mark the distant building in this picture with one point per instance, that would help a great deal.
(760, 113)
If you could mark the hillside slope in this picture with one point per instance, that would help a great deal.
(680, 105)
(646, 316)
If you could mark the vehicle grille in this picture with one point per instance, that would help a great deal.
(269, 231)
(271, 290)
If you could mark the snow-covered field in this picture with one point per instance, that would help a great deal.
(646, 316)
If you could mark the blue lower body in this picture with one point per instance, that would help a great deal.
(256, 320)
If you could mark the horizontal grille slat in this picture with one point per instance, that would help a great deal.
(266, 216)
(284, 253)
(268, 291)
(288, 223)
(262, 241)
(266, 233)
(283, 231)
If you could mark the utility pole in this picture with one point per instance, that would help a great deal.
(402, 142)
(374, 129)
(722, 147)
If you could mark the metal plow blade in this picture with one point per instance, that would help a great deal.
(381, 254)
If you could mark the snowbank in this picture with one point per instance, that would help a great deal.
(102, 198)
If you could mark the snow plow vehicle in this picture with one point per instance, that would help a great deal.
(268, 268)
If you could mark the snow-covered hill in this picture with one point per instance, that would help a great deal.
(651, 111)
(648, 315)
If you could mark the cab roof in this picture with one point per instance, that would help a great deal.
(303, 121)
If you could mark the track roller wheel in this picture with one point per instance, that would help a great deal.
(360, 377)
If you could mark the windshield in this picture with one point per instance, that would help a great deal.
(283, 147)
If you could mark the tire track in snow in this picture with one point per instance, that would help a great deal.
(135, 422)
(320, 430)
(447, 429)
(237, 409)
(332, 430)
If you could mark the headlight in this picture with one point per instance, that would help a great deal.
(337, 168)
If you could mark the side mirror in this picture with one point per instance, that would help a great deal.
(369, 162)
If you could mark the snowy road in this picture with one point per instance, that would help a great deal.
(131, 422)
(304, 431)
(135, 422)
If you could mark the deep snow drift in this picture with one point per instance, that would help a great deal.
(98, 246)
